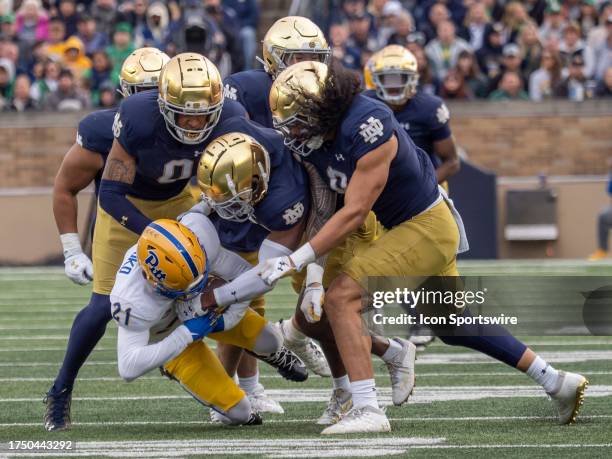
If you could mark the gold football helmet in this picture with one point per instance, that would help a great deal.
(290, 37)
(172, 259)
(140, 70)
(190, 84)
(395, 74)
(368, 79)
(233, 175)
(290, 95)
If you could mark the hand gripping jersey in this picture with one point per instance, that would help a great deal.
(425, 118)
(368, 123)
(164, 165)
(252, 89)
(95, 134)
(145, 317)
(286, 202)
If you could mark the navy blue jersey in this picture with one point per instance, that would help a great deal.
(368, 123)
(287, 201)
(252, 89)
(95, 133)
(425, 119)
(164, 165)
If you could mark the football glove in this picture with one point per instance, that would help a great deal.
(314, 294)
(77, 265)
(199, 327)
(275, 268)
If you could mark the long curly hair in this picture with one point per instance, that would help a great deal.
(336, 95)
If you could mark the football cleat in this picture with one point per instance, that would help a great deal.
(401, 371)
(287, 364)
(421, 341)
(255, 419)
(568, 396)
(57, 416)
(309, 352)
(599, 254)
(261, 403)
(339, 404)
(360, 420)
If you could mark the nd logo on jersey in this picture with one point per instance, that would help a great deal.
(371, 130)
(152, 261)
(293, 214)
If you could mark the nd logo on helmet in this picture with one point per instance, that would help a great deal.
(152, 261)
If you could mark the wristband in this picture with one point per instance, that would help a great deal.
(314, 274)
(71, 245)
(302, 256)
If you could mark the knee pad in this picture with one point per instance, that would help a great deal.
(240, 412)
(269, 340)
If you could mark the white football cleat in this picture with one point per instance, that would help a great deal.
(568, 396)
(360, 420)
(309, 352)
(261, 403)
(401, 371)
(339, 404)
(421, 341)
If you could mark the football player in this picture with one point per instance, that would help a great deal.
(250, 176)
(160, 278)
(392, 76)
(358, 145)
(289, 40)
(83, 164)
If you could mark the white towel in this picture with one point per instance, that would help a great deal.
(464, 245)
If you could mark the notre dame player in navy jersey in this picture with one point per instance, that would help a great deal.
(291, 39)
(393, 74)
(81, 165)
(358, 145)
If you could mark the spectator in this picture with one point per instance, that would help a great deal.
(531, 49)
(92, 39)
(455, 87)
(32, 23)
(247, 12)
(8, 30)
(604, 87)
(67, 97)
(135, 13)
(108, 96)
(554, 23)
(227, 22)
(588, 16)
(543, 80)
(157, 22)
(597, 35)
(74, 57)
(361, 38)
(438, 13)
(571, 45)
(515, 17)
(536, 9)
(469, 69)
(427, 81)
(7, 73)
(443, 52)
(573, 86)
(104, 13)
(338, 36)
(511, 61)
(510, 88)
(47, 84)
(22, 101)
(490, 55)
(389, 21)
(99, 74)
(599, 58)
(68, 14)
(54, 48)
(476, 23)
(121, 48)
(403, 29)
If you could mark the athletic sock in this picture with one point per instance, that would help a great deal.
(394, 349)
(291, 333)
(342, 383)
(364, 393)
(543, 373)
(249, 384)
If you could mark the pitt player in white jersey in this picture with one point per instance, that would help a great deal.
(159, 285)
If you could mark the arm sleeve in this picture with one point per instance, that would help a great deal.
(113, 199)
(249, 284)
(135, 357)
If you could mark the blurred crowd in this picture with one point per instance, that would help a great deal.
(67, 54)
(484, 49)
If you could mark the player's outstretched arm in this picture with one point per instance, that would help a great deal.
(78, 169)
(118, 176)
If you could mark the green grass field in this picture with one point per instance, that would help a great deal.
(464, 405)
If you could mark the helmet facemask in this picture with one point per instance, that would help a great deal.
(192, 290)
(190, 136)
(283, 58)
(127, 89)
(304, 143)
(395, 86)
